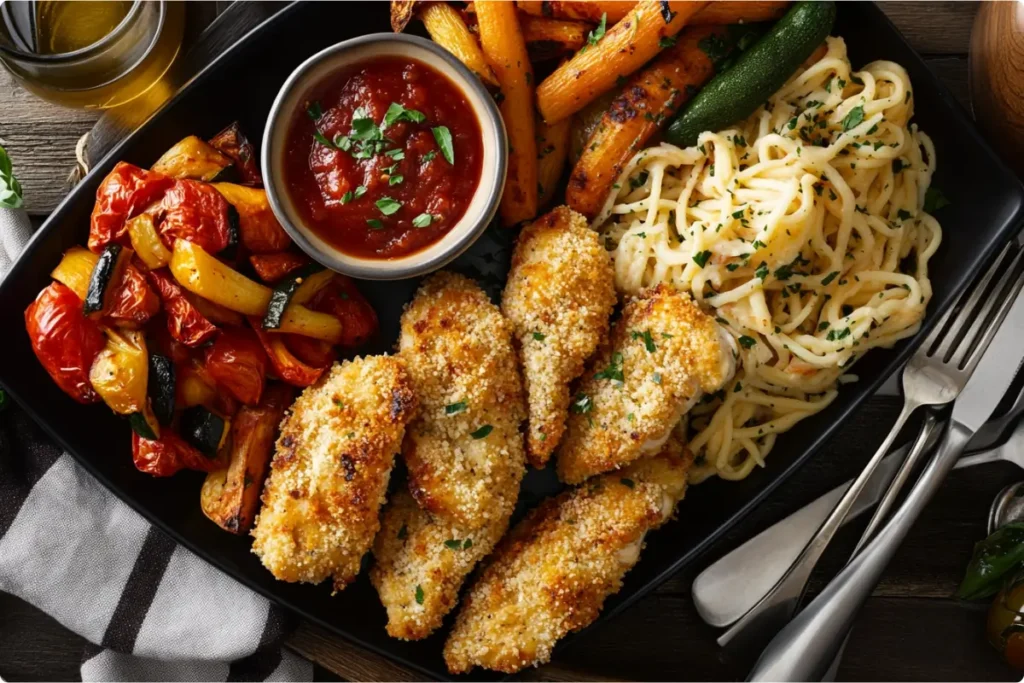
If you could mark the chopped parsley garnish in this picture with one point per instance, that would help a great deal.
(747, 342)
(422, 221)
(539, 337)
(897, 165)
(648, 339)
(581, 403)
(762, 271)
(854, 117)
(934, 200)
(467, 544)
(396, 154)
(453, 544)
(397, 112)
(455, 408)
(837, 335)
(374, 223)
(597, 34)
(322, 139)
(701, 257)
(784, 272)
(666, 41)
(353, 194)
(829, 278)
(388, 206)
(738, 214)
(903, 215)
(339, 403)
(429, 156)
(396, 179)
(639, 180)
(419, 594)
(314, 110)
(443, 137)
(627, 482)
(482, 432)
(614, 369)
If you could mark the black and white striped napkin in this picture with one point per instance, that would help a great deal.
(154, 610)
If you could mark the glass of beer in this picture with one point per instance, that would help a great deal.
(96, 54)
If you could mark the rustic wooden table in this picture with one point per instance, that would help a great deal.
(910, 630)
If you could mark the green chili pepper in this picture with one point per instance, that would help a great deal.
(994, 558)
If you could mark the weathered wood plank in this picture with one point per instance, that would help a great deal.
(934, 28)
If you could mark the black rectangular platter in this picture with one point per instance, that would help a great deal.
(986, 202)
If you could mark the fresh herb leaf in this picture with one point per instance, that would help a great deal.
(396, 179)
(854, 117)
(388, 206)
(762, 271)
(453, 544)
(666, 41)
(322, 139)
(628, 482)
(482, 432)
(429, 156)
(467, 544)
(539, 337)
(422, 221)
(595, 36)
(581, 403)
(614, 370)
(396, 112)
(314, 110)
(455, 408)
(10, 188)
(934, 200)
(903, 215)
(829, 278)
(396, 154)
(443, 137)
(419, 594)
(701, 257)
(648, 339)
(639, 180)
(374, 224)
(747, 342)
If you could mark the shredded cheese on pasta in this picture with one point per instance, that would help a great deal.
(802, 230)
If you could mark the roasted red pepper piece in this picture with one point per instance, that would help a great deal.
(340, 298)
(124, 193)
(185, 323)
(315, 352)
(134, 301)
(232, 143)
(194, 211)
(238, 364)
(64, 340)
(170, 454)
(286, 366)
(273, 267)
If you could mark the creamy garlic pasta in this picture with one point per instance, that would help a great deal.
(802, 229)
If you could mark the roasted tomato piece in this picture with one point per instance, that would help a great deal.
(125, 192)
(286, 365)
(273, 267)
(341, 298)
(238, 364)
(194, 211)
(259, 230)
(315, 352)
(134, 301)
(169, 454)
(65, 341)
(184, 321)
(159, 339)
(232, 142)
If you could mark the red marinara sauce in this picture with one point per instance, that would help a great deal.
(368, 162)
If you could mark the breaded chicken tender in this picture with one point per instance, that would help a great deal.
(330, 471)
(421, 563)
(553, 572)
(661, 355)
(560, 294)
(464, 451)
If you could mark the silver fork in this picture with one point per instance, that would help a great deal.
(933, 376)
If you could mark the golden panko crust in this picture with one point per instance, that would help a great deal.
(330, 471)
(660, 356)
(552, 574)
(559, 295)
(464, 451)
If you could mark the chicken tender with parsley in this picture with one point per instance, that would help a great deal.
(661, 356)
(330, 471)
(464, 451)
(560, 294)
(552, 573)
(421, 563)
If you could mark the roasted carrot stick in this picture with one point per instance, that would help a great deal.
(448, 30)
(646, 104)
(626, 46)
(715, 13)
(548, 38)
(552, 150)
(503, 44)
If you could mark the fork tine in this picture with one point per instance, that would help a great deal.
(987, 324)
(977, 300)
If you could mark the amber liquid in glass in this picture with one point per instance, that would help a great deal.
(69, 25)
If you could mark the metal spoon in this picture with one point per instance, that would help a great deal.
(1007, 507)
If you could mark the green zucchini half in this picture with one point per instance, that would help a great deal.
(160, 387)
(203, 429)
(283, 293)
(105, 277)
